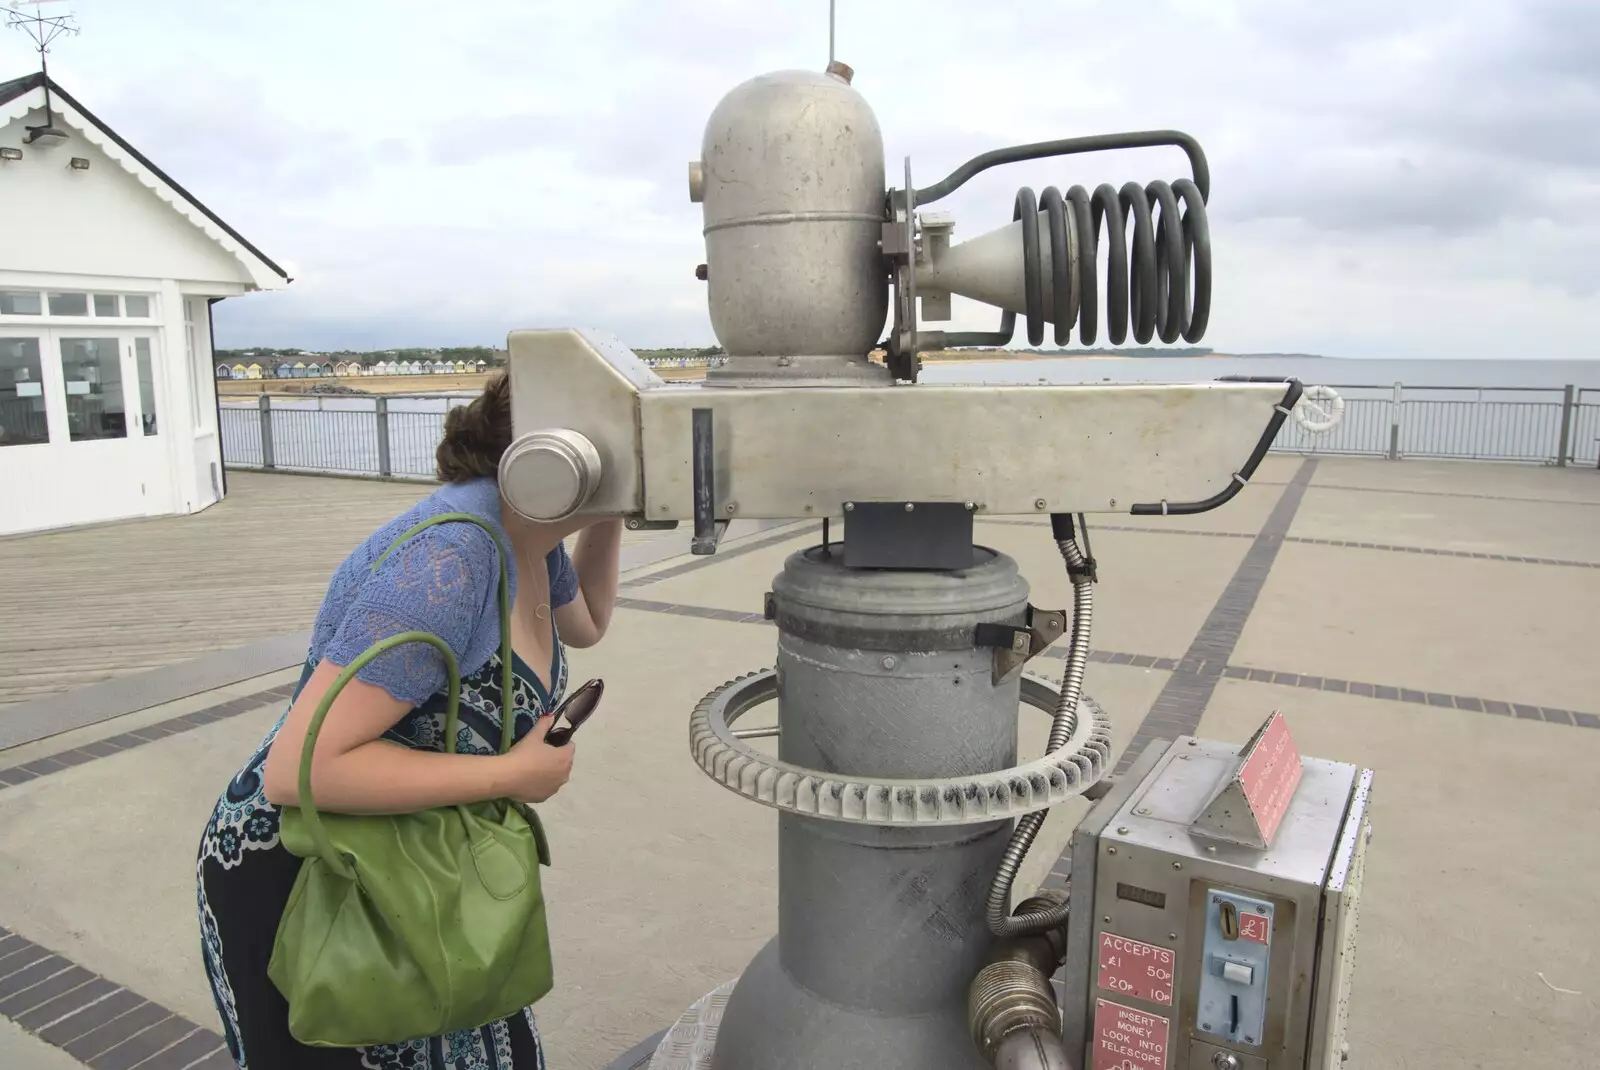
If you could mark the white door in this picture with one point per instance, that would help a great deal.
(107, 452)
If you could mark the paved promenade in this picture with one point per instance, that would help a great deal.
(1434, 621)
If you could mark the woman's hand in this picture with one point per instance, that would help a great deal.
(532, 770)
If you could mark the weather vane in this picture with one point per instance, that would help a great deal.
(43, 29)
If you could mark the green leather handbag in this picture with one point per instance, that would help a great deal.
(412, 925)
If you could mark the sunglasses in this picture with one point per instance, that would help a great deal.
(578, 707)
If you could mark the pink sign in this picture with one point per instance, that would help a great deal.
(1270, 773)
(1254, 927)
(1126, 1039)
(1133, 968)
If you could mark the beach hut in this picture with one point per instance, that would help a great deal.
(299, 370)
(461, 367)
(224, 371)
(253, 372)
(239, 371)
(483, 365)
(284, 370)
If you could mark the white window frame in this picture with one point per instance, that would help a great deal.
(46, 318)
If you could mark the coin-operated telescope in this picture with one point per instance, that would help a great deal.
(1214, 887)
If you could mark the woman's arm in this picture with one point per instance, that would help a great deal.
(354, 771)
(443, 581)
(584, 620)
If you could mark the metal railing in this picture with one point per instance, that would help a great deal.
(395, 437)
(1546, 425)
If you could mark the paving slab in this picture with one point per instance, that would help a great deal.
(1480, 877)
(1154, 592)
(1551, 531)
(1459, 626)
(21, 1051)
(1427, 478)
(97, 861)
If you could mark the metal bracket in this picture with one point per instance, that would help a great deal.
(644, 523)
(707, 528)
(900, 246)
(1014, 646)
(908, 535)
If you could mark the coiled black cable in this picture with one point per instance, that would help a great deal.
(1170, 258)
(1151, 283)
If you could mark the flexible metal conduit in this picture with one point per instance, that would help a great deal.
(998, 909)
(1011, 1009)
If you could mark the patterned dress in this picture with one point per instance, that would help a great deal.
(244, 874)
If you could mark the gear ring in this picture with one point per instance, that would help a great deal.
(1022, 789)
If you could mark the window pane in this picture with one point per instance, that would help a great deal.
(106, 305)
(92, 369)
(20, 303)
(147, 384)
(137, 305)
(22, 418)
(69, 304)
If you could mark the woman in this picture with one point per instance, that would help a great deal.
(381, 751)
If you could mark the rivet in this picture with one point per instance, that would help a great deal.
(1177, 865)
(783, 362)
(971, 506)
(1039, 503)
(808, 508)
(910, 507)
(1194, 743)
(1123, 831)
(849, 507)
(1106, 920)
(1143, 811)
(1210, 850)
(887, 663)
(731, 508)
(1172, 936)
(1113, 503)
(1111, 850)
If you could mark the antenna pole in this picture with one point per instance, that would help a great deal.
(830, 32)
(43, 29)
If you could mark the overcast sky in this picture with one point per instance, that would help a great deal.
(1407, 178)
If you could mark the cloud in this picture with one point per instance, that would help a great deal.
(1412, 178)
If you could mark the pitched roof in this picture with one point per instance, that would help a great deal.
(133, 160)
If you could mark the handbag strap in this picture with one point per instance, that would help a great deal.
(452, 715)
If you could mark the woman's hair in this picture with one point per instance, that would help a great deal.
(476, 434)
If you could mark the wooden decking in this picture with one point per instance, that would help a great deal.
(96, 603)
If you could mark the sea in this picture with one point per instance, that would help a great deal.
(1508, 410)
